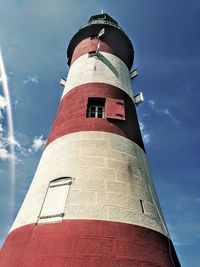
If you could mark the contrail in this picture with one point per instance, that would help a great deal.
(11, 140)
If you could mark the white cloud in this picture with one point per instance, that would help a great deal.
(167, 112)
(32, 79)
(164, 111)
(1, 115)
(146, 138)
(20, 151)
(141, 126)
(5, 143)
(4, 154)
(38, 143)
(3, 102)
(145, 135)
(152, 102)
(1, 127)
(12, 141)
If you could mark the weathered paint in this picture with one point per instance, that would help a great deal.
(107, 69)
(110, 176)
(72, 117)
(115, 109)
(80, 243)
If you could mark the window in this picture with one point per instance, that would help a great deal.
(96, 112)
(55, 199)
(95, 108)
(109, 108)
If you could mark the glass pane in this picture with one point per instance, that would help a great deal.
(100, 112)
(92, 111)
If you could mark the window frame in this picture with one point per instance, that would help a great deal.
(98, 103)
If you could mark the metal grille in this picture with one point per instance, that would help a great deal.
(54, 204)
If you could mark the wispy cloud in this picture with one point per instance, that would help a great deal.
(145, 135)
(5, 143)
(2, 102)
(1, 127)
(21, 151)
(164, 111)
(2, 107)
(5, 154)
(31, 79)
(12, 141)
(168, 113)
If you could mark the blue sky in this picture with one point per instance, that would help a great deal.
(166, 37)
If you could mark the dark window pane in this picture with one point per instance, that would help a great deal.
(100, 112)
(92, 111)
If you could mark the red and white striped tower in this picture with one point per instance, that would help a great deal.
(92, 201)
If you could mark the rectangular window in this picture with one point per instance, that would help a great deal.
(96, 112)
(54, 203)
(95, 108)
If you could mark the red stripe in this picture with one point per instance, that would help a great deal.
(71, 115)
(88, 45)
(88, 243)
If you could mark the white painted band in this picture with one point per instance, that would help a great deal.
(106, 68)
(111, 181)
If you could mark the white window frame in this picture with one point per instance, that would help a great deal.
(97, 107)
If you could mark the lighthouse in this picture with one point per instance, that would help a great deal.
(92, 201)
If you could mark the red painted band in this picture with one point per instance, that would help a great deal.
(78, 243)
(88, 45)
(71, 115)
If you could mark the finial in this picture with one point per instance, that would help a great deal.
(102, 11)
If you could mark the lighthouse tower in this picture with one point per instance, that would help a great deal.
(92, 201)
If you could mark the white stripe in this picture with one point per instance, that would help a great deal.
(107, 69)
(111, 180)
